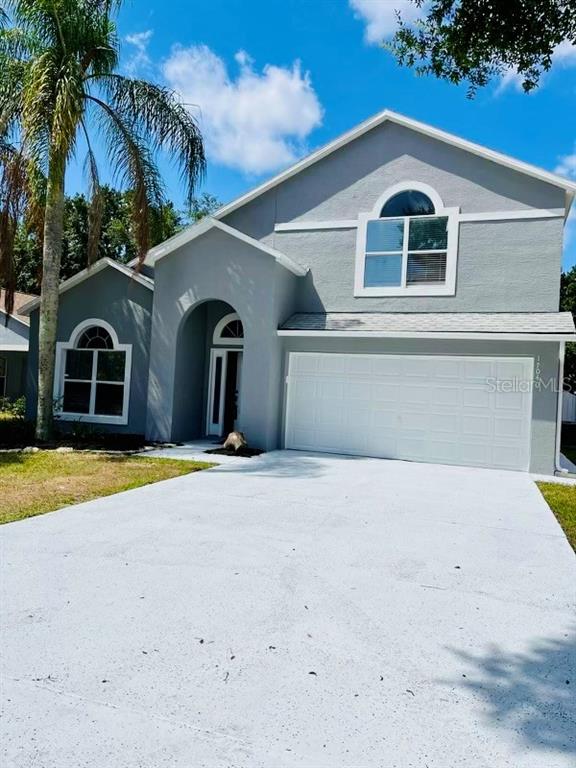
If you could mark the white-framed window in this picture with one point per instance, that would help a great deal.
(3, 375)
(407, 245)
(92, 377)
(229, 330)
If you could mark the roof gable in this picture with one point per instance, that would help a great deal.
(209, 223)
(89, 272)
(388, 116)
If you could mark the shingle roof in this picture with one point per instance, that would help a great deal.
(431, 322)
(20, 299)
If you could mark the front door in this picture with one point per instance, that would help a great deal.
(224, 391)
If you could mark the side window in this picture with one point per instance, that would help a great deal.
(95, 376)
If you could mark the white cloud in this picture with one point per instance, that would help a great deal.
(564, 55)
(255, 122)
(567, 165)
(381, 16)
(139, 60)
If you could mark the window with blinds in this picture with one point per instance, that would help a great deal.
(411, 250)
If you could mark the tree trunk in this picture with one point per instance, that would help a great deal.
(51, 255)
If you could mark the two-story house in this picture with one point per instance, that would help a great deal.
(393, 294)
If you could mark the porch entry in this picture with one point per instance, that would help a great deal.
(224, 391)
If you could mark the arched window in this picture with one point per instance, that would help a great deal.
(229, 330)
(410, 202)
(93, 375)
(407, 245)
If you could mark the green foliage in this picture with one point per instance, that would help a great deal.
(568, 304)
(16, 408)
(202, 206)
(476, 40)
(117, 240)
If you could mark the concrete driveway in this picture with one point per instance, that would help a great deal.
(293, 610)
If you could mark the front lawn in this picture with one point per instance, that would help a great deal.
(562, 501)
(31, 484)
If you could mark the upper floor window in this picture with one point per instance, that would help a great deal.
(407, 245)
(93, 375)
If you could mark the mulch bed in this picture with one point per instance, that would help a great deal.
(247, 453)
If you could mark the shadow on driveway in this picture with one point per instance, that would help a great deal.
(533, 693)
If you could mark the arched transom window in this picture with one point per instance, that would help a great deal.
(229, 330)
(93, 375)
(407, 245)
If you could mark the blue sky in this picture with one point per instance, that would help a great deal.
(274, 80)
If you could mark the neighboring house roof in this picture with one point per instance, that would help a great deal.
(205, 225)
(85, 274)
(20, 300)
(388, 116)
(431, 324)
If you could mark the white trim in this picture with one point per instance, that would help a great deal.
(62, 347)
(304, 226)
(14, 347)
(217, 337)
(210, 223)
(90, 323)
(406, 186)
(447, 288)
(561, 355)
(530, 213)
(25, 323)
(406, 122)
(94, 269)
(213, 428)
(480, 336)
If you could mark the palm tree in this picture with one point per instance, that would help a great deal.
(58, 82)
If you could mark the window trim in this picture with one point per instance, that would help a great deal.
(448, 288)
(217, 337)
(62, 347)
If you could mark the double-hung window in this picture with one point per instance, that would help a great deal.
(94, 377)
(407, 248)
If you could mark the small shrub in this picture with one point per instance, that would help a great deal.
(15, 408)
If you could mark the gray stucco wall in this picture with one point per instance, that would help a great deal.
(222, 268)
(352, 179)
(12, 331)
(502, 266)
(511, 266)
(544, 413)
(127, 306)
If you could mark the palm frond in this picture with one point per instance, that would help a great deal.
(135, 169)
(157, 112)
(96, 208)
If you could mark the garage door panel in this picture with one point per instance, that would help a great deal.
(476, 397)
(478, 370)
(439, 409)
(477, 426)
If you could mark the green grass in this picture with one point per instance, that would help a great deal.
(32, 484)
(562, 501)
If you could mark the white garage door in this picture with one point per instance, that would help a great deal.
(455, 410)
